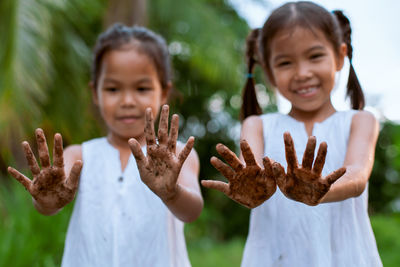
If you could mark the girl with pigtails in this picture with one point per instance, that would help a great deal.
(135, 187)
(312, 212)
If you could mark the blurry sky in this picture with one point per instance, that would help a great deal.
(376, 48)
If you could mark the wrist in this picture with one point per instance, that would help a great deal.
(172, 195)
(45, 209)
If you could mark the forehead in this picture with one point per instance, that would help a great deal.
(127, 60)
(298, 39)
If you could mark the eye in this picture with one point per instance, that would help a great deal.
(316, 55)
(111, 89)
(144, 88)
(283, 63)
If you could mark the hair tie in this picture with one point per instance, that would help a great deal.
(249, 75)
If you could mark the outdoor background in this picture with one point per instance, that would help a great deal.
(45, 55)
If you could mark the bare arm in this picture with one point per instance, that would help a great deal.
(252, 132)
(359, 158)
(188, 202)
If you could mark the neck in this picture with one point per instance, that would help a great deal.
(121, 143)
(311, 117)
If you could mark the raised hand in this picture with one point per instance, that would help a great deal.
(249, 184)
(50, 188)
(160, 168)
(304, 183)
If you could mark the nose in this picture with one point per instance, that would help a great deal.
(128, 99)
(303, 71)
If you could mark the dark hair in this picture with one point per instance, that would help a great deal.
(145, 40)
(335, 26)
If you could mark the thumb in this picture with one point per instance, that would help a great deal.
(279, 174)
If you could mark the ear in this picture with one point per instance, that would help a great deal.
(340, 58)
(165, 93)
(94, 93)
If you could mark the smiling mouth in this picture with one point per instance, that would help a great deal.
(308, 91)
(128, 119)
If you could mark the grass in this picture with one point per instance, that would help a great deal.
(387, 234)
(28, 238)
(207, 252)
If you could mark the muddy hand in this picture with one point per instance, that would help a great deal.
(304, 183)
(49, 187)
(160, 168)
(249, 184)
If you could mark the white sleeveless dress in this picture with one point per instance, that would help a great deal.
(117, 220)
(287, 233)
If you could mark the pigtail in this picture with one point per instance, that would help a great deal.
(250, 105)
(354, 90)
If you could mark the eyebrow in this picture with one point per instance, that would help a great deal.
(110, 80)
(315, 47)
(142, 80)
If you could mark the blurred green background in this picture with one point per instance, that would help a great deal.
(45, 54)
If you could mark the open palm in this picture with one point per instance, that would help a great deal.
(50, 187)
(160, 168)
(305, 183)
(249, 184)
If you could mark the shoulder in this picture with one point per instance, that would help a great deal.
(364, 126)
(253, 121)
(364, 120)
(73, 152)
(252, 124)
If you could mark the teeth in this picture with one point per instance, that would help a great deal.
(306, 90)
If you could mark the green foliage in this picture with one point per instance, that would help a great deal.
(387, 234)
(207, 252)
(28, 238)
(44, 69)
(384, 185)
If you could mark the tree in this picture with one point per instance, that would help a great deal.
(128, 12)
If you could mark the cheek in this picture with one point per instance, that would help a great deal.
(330, 75)
(282, 80)
(107, 103)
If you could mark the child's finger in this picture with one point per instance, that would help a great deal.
(248, 155)
(218, 185)
(163, 125)
(149, 128)
(173, 134)
(230, 157)
(186, 150)
(308, 156)
(267, 167)
(32, 163)
(333, 176)
(224, 169)
(25, 181)
(320, 159)
(279, 174)
(137, 151)
(73, 179)
(290, 152)
(58, 157)
(43, 149)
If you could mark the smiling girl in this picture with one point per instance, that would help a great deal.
(127, 212)
(318, 215)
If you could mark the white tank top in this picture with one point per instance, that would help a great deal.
(287, 233)
(117, 220)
